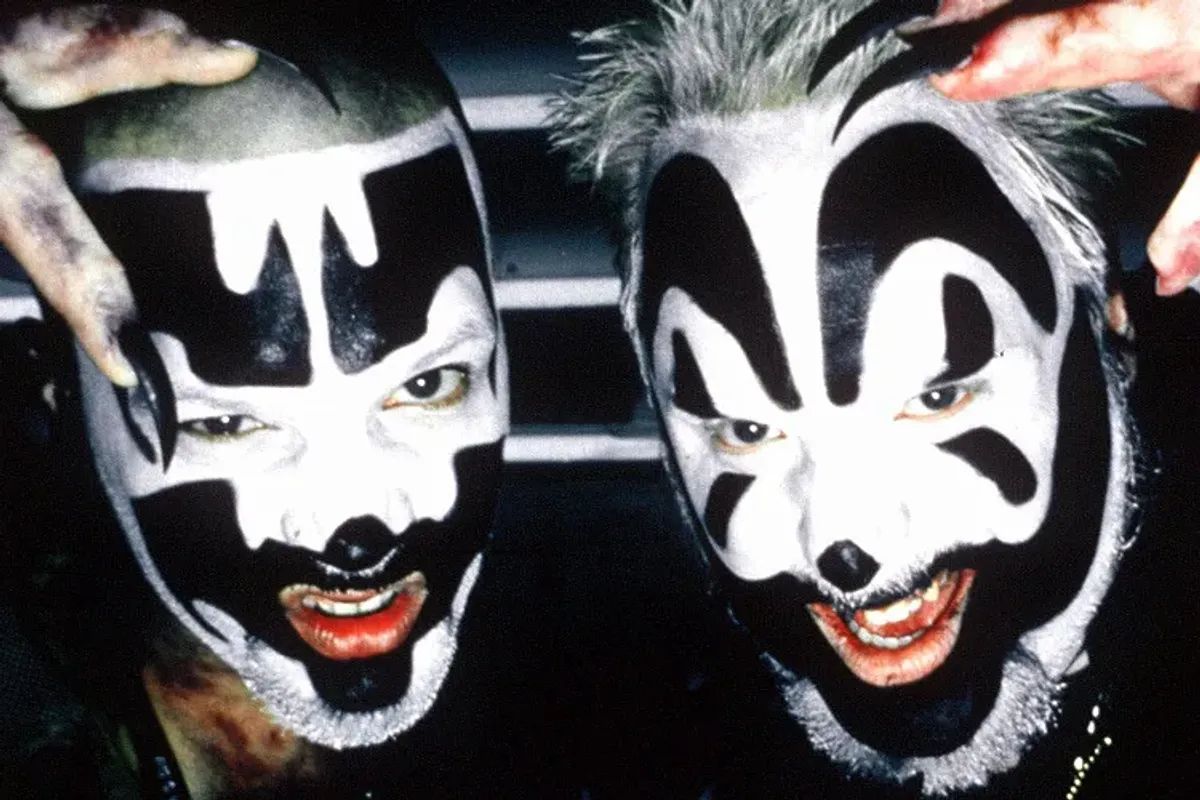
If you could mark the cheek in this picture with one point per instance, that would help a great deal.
(991, 477)
(414, 451)
(122, 466)
(750, 509)
(763, 530)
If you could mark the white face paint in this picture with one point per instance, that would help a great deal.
(860, 370)
(306, 530)
(812, 466)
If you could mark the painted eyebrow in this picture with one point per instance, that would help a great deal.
(465, 331)
(690, 388)
(970, 331)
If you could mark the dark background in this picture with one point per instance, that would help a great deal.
(592, 653)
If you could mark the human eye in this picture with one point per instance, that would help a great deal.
(223, 427)
(938, 403)
(741, 436)
(444, 387)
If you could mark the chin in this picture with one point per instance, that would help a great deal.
(345, 704)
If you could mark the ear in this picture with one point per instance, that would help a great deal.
(1117, 316)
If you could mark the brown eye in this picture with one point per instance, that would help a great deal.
(443, 387)
(935, 404)
(223, 427)
(425, 386)
(739, 436)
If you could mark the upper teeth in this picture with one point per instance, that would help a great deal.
(895, 612)
(888, 642)
(337, 608)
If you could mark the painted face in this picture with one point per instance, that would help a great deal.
(888, 412)
(326, 322)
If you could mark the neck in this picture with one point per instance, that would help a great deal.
(222, 740)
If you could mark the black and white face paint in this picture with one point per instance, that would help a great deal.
(327, 324)
(889, 413)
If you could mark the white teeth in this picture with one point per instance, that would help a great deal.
(886, 642)
(335, 608)
(931, 594)
(894, 612)
(905, 607)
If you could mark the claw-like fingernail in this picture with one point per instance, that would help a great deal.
(154, 385)
(117, 368)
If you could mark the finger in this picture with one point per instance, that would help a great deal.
(1181, 93)
(44, 228)
(1086, 46)
(67, 56)
(954, 11)
(1174, 247)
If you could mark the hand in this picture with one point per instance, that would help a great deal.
(1152, 42)
(67, 56)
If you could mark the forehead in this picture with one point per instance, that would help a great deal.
(781, 166)
(252, 263)
(810, 223)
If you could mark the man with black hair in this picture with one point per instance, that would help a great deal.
(303, 454)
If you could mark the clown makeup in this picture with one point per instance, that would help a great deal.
(326, 321)
(889, 415)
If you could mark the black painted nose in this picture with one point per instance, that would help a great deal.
(847, 566)
(358, 543)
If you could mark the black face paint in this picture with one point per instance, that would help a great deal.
(696, 239)
(1017, 588)
(847, 566)
(846, 281)
(970, 334)
(153, 392)
(426, 225)
(194, 539)
(723, 498)
(691, 393)
(358, 543)
(994, 457)
(901, 186)
(164, 240)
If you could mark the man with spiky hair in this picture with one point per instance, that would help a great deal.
(873, 323)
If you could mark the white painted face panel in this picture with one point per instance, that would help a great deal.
(302, 460)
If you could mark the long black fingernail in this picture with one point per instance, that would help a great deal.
(154, 387)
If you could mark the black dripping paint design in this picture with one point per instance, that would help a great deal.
(426, 225)
(164, 240)
(425, 222)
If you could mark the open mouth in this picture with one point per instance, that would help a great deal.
(904, 641)
(359, 623)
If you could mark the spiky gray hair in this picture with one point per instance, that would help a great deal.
(704, 60)
(715, 57)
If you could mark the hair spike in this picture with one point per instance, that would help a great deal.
(714, 58)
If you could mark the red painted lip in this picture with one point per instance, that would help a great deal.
(905, 641)
(348, 625)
